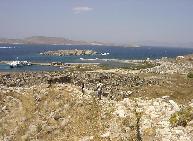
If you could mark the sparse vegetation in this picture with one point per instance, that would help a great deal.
(130, 66)
(62, 112)
(144, 65)
(190, 75)
(182, 117)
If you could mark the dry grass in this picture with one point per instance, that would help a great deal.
(178, 87)
(44, 118)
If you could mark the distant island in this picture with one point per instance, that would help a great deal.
(47, 40)
(43, 40)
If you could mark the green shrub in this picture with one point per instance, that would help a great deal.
(190, 75)
(182, 117)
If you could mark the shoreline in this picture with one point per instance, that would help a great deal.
(110, 62)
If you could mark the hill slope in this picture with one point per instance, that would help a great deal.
(47, 40)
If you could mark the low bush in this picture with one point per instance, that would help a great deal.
(182, 117)
(190, 75)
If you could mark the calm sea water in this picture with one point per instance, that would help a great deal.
(32, 53)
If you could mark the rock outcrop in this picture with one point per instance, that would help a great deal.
(62, 112)
(115, 85)
(69, 52)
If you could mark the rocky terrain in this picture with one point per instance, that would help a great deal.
(69, 52)
(149, 104)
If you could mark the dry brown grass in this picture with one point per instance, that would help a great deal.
(178, 87)
(47, 114)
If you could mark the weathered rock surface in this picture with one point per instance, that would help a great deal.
(62, 112)
(169, 67)
(115, 85)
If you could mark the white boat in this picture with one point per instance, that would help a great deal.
(105, 53)
(19, 64)
(89, 59)
(25, 63)
(15, 64)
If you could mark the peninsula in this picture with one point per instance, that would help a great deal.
(48, 40)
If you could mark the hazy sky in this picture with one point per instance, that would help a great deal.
(120, 21)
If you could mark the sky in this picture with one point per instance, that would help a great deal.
(116, 21)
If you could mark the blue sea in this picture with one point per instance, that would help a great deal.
(32, 53)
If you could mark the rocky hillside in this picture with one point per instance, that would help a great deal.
(147, 104)
(63, 112)
(135, 105)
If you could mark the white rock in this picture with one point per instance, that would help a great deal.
(107, 134)
(64, 122)
(155, 103)
(87, 138)
(175, 106)
(121, 111)
(32, 129)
